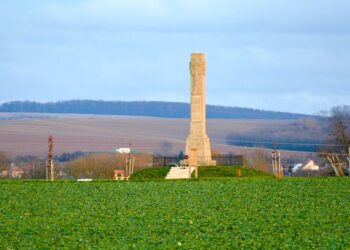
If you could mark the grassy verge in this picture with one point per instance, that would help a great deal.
(228, 171)
(150, 174)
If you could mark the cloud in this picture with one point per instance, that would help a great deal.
(263, 54)
(201, 16)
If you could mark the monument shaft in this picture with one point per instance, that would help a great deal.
(197, 143)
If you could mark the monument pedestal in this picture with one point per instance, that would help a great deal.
(199, 145)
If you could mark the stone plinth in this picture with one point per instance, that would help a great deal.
(198, 143)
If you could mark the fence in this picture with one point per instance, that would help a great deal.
(221, 160)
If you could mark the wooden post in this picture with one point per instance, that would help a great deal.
(52, 175)
(274, 163)
(49, 163)
(279, 165)
(349, 160)
(280, 171)
(132, 166)
(127, 166)
(47, 171)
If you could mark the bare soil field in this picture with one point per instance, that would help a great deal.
(26, 134)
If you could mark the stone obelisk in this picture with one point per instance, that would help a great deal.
(197, 143)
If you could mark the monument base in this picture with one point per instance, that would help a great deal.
(198, 150)
(209, 163)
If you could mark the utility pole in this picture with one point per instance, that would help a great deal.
(349, 160)
(280, 169)
(49, 163)
(129, 163)
(273, 157)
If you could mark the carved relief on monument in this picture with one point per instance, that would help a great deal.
(196, 108)
(195, 89)
(197, 68)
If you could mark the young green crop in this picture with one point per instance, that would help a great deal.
(239, 213)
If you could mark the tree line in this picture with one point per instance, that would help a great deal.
(327, 133)
(141, 108)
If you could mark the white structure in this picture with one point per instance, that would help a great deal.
(84, 180)
(309, 166)
(123, 150)
(179, 173)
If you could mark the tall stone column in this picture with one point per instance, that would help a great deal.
(197, 143)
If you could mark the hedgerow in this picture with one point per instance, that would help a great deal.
(150, 173)
(228, 171)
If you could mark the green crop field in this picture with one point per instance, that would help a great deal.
(217, 214)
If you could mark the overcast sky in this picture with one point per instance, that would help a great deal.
(290, 55)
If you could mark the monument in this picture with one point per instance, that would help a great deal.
(197, 143)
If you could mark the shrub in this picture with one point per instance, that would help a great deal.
(150, 173)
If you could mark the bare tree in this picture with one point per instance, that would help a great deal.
(259, 159)
(340, 128)
(4, 161)
(101, 166)
(339, 134)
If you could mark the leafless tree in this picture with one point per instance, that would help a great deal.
(339, 137)
(4, 161)
(340, 128)
(101, 166)
(259, 159)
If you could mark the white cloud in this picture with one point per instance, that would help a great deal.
(262, 54)
(202, 16)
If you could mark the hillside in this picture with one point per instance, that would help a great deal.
(26, 134)
(141, 108)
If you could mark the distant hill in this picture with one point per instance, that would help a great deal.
(141, 108)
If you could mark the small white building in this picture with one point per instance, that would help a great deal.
(308, 166)
(123, 150)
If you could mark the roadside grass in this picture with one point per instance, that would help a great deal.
(217, 172)
(228, 171)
